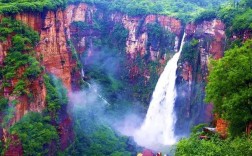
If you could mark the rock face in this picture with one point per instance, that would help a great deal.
(54, 30)
(55, 55)
(53, 47)
(36, 87)
(221, 127)
(210, 38)
(52, 50)
(138, 44)
(137, 37)
(25, 105)
(136, 41)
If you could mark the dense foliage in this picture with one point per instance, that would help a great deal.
(213, 146)
(237, 18)
(230, 87)
(16, 6)
(205, 16)
(184, 9)
(36, 133)
(20, 61)
(3, 103)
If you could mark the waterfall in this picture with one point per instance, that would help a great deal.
(158, 127)
(94, 89)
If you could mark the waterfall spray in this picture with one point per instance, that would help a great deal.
(158, 127)
(96, 92)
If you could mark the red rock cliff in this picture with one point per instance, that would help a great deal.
(54, 30)
(210, 38)
(137, 44)
(54, 54)
(52, 50)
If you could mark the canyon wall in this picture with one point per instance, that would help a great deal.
(137, 43)
(204, 41)
(143, 58)
(56, 53)
(52, 51)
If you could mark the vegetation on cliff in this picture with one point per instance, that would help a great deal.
(229, 88)
(213, 145)
(17, 6)
(183, 9)
(36, 133)
(20, 55)
(19, 64)
(237, 18)
(56, 95)
(19, 71)
(124, 80)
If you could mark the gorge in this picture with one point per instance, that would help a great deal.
(114, 77)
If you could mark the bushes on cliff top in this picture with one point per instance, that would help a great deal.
(16, 6)
(185, 9)
(9, 26)
(36, 134)
(243, 21)
(205, 16)
(237, 18)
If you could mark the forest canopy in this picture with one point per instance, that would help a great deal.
(183, 9)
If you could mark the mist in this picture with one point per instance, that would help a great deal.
(108, 60)
(88, 101)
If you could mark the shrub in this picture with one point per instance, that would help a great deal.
(205, 16)
(36, 133)
(56, 93)
(3, 104)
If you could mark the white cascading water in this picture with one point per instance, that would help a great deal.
(159, 124)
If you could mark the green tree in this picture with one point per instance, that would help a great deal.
(214, 146)
(36, 133)
(3, 103)
(230, 87)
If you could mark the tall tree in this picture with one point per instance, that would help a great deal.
(230, 87)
